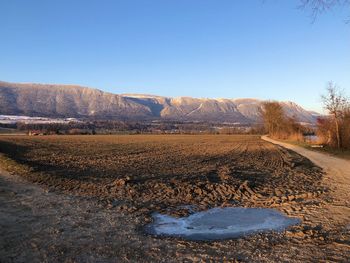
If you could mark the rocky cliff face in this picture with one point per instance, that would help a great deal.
(81, 102)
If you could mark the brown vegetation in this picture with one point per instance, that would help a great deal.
(334, 130)
(278, 125)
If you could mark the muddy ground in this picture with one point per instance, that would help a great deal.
(92, 195)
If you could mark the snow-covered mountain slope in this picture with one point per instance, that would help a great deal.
(82, 102)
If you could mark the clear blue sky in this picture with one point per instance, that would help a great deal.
(202, 48)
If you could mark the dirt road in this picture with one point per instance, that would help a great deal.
(337, 178)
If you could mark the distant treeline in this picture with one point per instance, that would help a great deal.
(128, 127)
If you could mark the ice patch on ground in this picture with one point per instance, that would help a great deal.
(220, 223)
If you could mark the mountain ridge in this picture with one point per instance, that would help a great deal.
(56, 100)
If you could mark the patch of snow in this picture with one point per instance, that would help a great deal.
(12, 119)
(220, 223)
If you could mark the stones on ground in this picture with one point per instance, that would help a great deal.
(198, 191)
(120, 182)
(224, 173)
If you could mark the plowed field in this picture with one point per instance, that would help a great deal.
(137, 175)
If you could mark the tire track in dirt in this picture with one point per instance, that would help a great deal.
(337, 171)
(332, 213)
(241, 177)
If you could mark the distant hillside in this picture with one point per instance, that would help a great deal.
(66, 101)
(81, 102)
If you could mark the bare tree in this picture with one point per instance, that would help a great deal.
(278, 124)
(273, 116)
(321, 6)
(335, 103)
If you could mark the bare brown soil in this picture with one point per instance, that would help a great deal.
(122, 179)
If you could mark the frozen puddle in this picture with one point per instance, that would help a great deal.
(220, 223)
